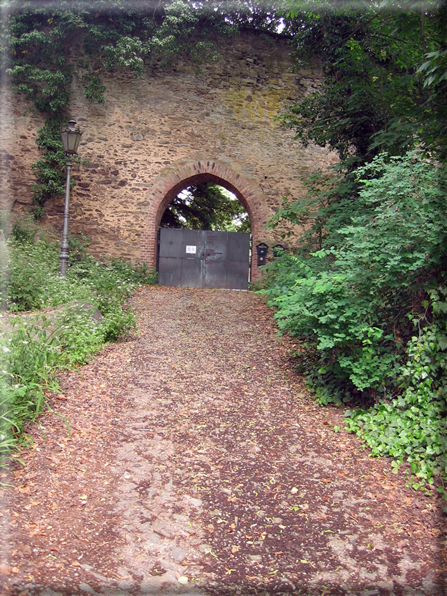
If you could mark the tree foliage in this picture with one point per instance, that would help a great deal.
(374, 96)
(371, 269)
(206, 207)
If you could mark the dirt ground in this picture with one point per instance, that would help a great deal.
(191, 459)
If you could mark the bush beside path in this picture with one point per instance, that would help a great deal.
(190, 458)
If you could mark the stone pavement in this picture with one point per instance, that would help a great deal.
(199, 464)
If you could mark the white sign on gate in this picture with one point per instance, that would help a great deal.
(191, 250)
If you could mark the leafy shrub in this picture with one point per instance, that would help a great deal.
(28, 358)
(353, 304)
(34, 281)
(137, 272)
(28, 272)
(79, 336)
(351, 300)
(23, 230)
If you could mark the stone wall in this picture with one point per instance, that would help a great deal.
(157, 134)
(18, 150)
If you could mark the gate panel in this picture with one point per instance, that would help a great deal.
(169, 265)
(238, 259)
(203, 259)
(191, 258)
(169, 272)
(181, 256)
(215, 259)
(191, 273)
(237, 276)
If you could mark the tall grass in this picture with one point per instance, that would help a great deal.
(59, 329)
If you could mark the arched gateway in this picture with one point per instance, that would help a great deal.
(181, 175)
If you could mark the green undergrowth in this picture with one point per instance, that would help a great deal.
(367, 297)
(51, 322)
(412, 427)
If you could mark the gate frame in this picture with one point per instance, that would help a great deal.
(179, 176)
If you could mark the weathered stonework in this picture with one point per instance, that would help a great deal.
(157, 134)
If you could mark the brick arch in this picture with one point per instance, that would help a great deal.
(176, 177)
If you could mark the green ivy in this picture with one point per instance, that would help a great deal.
(384, 87)
(40, 41)
(413, 426)
(49, 169)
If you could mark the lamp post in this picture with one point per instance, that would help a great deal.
(70, 139)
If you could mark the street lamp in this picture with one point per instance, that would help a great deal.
(70, 139)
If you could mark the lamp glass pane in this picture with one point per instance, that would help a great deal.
(70, 140)
(73, 141)
(64, 135)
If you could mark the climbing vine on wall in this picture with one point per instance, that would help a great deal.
(46, 45)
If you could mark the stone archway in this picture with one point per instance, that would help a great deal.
(178, 176)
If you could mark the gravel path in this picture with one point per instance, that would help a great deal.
(197, 463)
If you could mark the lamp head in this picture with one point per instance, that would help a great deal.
(71, 137)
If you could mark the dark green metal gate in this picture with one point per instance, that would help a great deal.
(203, 259)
